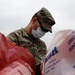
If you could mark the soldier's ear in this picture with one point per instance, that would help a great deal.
(34, 18)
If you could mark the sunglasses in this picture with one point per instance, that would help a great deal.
(42, 26)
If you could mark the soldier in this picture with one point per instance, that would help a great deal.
(29, 37)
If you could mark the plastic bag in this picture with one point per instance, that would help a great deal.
(10, 53)
(60, 59)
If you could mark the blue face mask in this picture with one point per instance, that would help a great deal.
(38, 33)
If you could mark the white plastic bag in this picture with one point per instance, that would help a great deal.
(60, 60)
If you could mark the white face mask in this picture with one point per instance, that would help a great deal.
(38, 33)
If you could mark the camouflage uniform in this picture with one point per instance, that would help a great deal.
(36, 46)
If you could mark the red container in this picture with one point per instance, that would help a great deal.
(17, 68)
(15, 60)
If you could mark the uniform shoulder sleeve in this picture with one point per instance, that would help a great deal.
(14, 36)
(43, 44)
(43, 49)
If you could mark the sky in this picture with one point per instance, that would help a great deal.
(15, 14)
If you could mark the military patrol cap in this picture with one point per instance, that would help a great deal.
(46, 19)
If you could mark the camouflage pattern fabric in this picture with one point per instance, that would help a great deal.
(36, 46)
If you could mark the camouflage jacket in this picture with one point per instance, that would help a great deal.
(36, 46)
